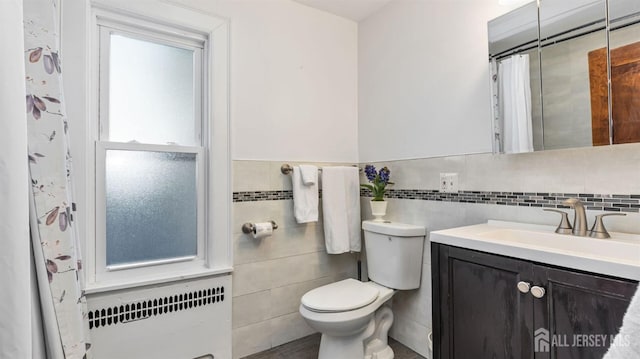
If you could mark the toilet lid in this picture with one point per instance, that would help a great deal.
(345, 295)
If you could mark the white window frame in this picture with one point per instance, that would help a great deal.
(146, 31)
(170, 24)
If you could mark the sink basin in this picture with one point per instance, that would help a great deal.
(618, 256)
(615, 249)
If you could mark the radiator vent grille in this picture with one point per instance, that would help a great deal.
(152, 307)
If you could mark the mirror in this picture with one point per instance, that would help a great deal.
(550, 72)
(515, 69)
(569, 33)
(624, 49)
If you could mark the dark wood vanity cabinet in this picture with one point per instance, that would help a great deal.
(480, 312)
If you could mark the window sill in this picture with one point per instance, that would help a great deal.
(103, 287)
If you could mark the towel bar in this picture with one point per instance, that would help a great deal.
(286, 169)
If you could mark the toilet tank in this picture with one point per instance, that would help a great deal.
(394, 253)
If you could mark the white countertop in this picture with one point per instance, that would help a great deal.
(618, 256)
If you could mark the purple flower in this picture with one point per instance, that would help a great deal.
(384, 175)
(379, 180)
(370, 172)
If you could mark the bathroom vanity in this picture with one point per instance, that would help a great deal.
(505, 290)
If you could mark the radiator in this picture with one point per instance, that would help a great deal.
(185, 320)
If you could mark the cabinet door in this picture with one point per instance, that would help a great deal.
(479, 311)
(579, 313)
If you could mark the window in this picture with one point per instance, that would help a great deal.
(153, 143)
(151, 205)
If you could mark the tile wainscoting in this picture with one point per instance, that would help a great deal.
(272, 274)
(503, 187)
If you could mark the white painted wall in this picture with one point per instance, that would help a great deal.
(293, 81)
(423, 87)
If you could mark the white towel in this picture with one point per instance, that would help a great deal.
(309, 174)
(626, 344)
(305, 198)
(341, 209)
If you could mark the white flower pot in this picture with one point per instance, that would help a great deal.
(378, 210)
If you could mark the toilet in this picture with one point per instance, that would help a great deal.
(350, 314)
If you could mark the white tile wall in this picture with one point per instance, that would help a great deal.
(271, 274)
(251, 308)
(251, 278)
(288, 327)
(251, 339)
(601, 170)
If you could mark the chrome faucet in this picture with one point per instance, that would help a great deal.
(579, 217)
(580, 221)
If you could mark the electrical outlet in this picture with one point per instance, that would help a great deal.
(444, 183)
(449, 182)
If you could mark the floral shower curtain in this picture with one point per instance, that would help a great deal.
(55, 240)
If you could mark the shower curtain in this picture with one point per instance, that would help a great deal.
(35, 169)
(515, 104)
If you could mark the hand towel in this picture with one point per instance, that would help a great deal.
(309, 174)
(341, 209)
(305, 198)
(626, 344)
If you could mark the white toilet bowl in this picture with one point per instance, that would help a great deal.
(350, 314)
(344, 312)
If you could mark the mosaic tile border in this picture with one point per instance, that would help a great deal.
(598, 202)
(253, 196)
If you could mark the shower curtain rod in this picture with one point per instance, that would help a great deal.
(533, 43)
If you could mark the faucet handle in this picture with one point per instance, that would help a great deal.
(564, 227)
(598, 230)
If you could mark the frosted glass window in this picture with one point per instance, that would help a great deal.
(151, 206)
(151, 93)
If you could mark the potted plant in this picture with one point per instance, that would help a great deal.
(379, 181)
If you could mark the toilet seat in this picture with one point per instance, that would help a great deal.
(342, 296)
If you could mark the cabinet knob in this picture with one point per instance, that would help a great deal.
(537, 292)
(524, 287)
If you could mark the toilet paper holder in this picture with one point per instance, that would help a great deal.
(249, 228)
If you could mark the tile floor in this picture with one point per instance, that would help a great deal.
(307, 348)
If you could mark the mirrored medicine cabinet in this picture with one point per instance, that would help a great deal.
(565, 74)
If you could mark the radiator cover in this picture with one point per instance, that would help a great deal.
(188, 319)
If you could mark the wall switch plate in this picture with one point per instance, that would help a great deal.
(449, 182)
